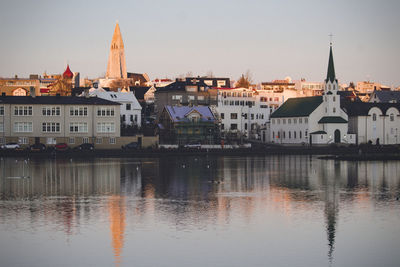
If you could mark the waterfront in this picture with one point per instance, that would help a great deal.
(199, 211)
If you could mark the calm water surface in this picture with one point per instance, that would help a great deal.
(199, 211)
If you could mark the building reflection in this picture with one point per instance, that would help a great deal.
(193, 191)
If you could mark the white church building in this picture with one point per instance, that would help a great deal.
(313, 120)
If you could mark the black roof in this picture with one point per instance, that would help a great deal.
(297, 107)
(362, 108)
(140, 91)
(55, 100)
(180, 86)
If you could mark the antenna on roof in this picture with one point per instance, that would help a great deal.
(330, 38)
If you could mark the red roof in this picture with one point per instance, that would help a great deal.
(68, 73)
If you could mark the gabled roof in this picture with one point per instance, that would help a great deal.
(332, 119)
(386, 96)
(55, 100)
(140, 91)
(179, 113)
(120, 97)
(298, 107)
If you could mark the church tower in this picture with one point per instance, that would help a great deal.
(116, 67)
(331, 96)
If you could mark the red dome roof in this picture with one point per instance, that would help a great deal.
(68, 73)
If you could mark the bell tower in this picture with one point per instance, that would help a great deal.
(116, 67)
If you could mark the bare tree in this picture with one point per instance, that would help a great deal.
(245, 80)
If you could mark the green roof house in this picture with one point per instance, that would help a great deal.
(313, 120)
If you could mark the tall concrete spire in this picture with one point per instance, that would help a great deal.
(116, 67)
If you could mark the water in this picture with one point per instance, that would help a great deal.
(199, 211)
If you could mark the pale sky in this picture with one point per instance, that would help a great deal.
(272, 39)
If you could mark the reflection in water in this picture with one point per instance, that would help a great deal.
(191, 193)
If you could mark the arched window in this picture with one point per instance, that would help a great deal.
(374, 117)
(392, 117)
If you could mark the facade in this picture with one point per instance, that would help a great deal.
(116, 67)
(130, 109)
(309, 88)
(184, 93)
(185, 125)
(376, 123)
(19, 86)
(57, 119)
(242, 111)
(313, 120)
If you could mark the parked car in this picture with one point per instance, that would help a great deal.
(37, 147)
(11, 146)
(193, 145)
(85, 147)
(61, 147)
(131, 145)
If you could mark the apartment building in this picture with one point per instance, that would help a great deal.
(59, 119)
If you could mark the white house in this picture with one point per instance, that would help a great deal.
(130, 108)
(242, 110)
(313, 120)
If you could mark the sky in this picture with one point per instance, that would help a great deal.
(165, 39)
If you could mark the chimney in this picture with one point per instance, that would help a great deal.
(32, 91)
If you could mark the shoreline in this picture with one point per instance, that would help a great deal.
(350, 153)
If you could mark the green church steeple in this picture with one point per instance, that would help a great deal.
(330, 76)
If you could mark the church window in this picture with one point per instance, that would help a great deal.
(305, 120)
(284, 134)
(374, 117)
(334, 110)
(301, 134)
(392, 117)
(294, 134)
(305, 133)
(334, 98)
(290, 135)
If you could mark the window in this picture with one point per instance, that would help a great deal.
(23, 111)
(71, 140)
(233, 116)
(177, 97)
(222, 116)
(392, 117)
(300, 134)
(2, 140)
(78, 127)
(290, 134)
(123, 118)
(22, 127)
(51, 127)
(252, 116)
(305, 120)
(284, 121)
(294, 135)
(191, 97)
(105, 112)
(112, 140)
(294, 121)
(99, 140)
(78, 111)
(334, 110)
(222, 126)
(284, 134)
(1, 127)
(245, 126)
(23, 140)
(300, 120)
(306, 133)
(128, 106)
(51, 141)
(85, 140)
(273, 135)
(289, 121)
(136, 118)
(233, 126)
(334, 98)
(51, 111)
(105, 127)
(200, 97)
(1, 111)
(374, 117)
